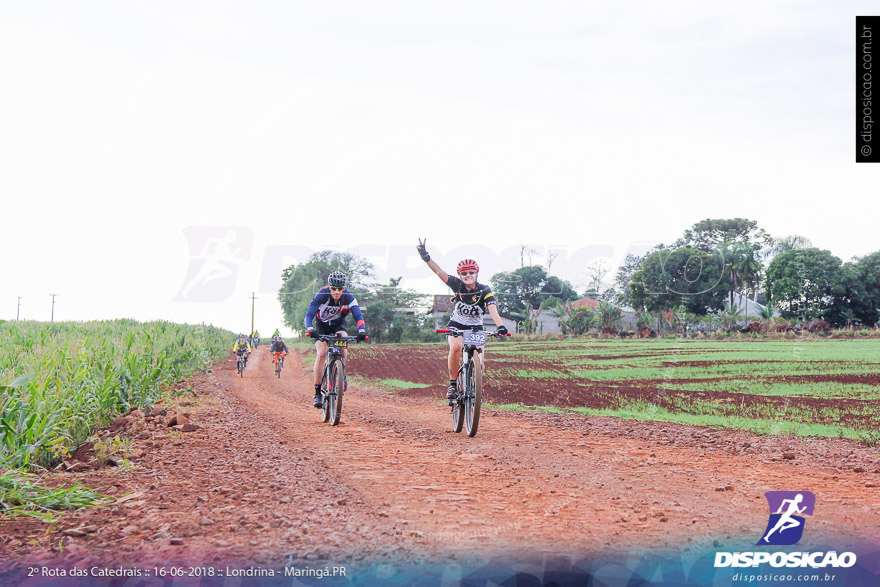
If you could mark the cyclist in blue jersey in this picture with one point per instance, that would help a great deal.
(326, 315)
(471, 301)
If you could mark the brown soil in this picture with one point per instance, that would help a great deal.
(426, 364)
(262, 481)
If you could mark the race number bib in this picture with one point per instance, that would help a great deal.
(475, 338)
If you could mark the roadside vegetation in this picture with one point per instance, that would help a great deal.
(59, 382)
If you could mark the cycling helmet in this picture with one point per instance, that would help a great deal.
(467, 265)
(336, 279)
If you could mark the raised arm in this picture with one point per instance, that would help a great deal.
(423, 253)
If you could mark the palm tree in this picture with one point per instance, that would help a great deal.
(786, 244)
(748, 266)
(742, 265)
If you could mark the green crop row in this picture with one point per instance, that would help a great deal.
(60, 381)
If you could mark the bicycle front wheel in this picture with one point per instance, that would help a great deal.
(473, 397)
(458, 404)
(337, 378)
(325, 391)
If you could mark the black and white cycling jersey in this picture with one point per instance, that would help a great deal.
(469, 305)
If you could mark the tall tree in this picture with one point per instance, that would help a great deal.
(393, 313)
(804, 283)
(684, 276)
(596, 272)
(707, 235)
(620, 292)
(786, 244)
(526, 288)
(865, 288)
(741, 266)
(300, 283)
(738, 241)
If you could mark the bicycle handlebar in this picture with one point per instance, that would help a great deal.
(329, 337)
(457, 332)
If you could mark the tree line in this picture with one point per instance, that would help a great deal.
(702, 273)
(717, 258)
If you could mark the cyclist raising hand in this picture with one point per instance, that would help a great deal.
(472, 299)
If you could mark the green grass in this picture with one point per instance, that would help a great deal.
(650, 413)
(828, 390)
(400, 384)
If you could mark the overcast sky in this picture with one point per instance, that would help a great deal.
(166, 159)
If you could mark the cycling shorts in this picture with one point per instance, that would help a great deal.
(458, 325)
(328, 328)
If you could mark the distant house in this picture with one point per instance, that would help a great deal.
(747, 308)
(588, 303)
(441, 307)
(547, 321)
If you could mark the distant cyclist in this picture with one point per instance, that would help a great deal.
(278, 346)
(471, 301)
(242, 347)
(326, 315)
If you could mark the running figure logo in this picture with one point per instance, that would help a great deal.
(216, 254)
(786, 525)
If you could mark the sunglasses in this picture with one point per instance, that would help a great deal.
(463, 273)
(336, 288)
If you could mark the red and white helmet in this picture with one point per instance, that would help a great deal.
(467, 265)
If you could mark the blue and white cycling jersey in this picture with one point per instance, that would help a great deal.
(333, 313)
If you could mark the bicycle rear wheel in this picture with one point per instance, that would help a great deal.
(337, 378)
(458, 405)
(473, 397)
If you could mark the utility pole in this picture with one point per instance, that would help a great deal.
(52, 316)
(252, 314)
(18, 309)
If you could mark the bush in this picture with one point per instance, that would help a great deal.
(818, 326)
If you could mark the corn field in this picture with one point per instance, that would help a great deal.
(60, 381)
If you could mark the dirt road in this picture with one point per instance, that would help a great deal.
(262, 481)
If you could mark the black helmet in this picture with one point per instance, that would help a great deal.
(336, 279)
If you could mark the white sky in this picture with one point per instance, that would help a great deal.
(133, 133)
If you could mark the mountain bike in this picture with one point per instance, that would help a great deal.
(242, 363)
(466, 406)
(278, 359)
(333, 382)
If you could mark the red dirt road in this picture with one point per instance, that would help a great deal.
(264, 481)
